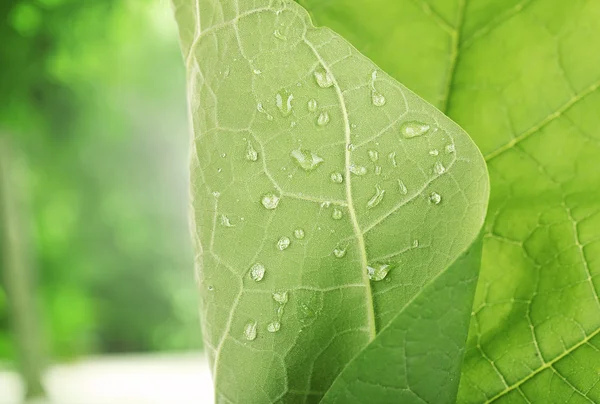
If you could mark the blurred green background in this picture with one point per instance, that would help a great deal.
(94, 133)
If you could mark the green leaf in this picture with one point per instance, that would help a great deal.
(519, 76)
(333, 209)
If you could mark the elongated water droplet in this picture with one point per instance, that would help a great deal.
(306, 159)
(262, 110)
(270, 201)
(377, 99)
(373, 155)
(439, 168)
(216, 194)
(280, 297)
(283, 99)
(357, 170)
(250, 331)
(450, 148)
(274, 326)
(210, 288)
(435, 198)
(325, 204)
(283, 243)
(251, 153)
(413, 129)
(225, 221)
(402, 187)
(434, 152)
(337, 178)
(323, 118)
(312, 105)
(392, 158)
(299, 234)
(277, 34)
(323, 78)
(377, 170)
(257, 272)
(337, 214)
(415, 243)
(378, 272)
(256, 71)
(339, 252)
(350, 147)
(376, 198)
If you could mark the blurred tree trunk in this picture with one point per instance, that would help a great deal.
(16, 253)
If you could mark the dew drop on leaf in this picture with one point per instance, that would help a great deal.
(337, 214)
(337, 178)
(312, 105)
(262, 110)
(210, 288)
(415, 243)
(378, 272)
(392, 159)
(251, 153)
(283, 99)
(439, 168)
(402, 187)
(339, 252)
(274, 326)
(376, 198)
(434, 152)
(306, 159)
(373, 155)
(225, 221)
(323, 118)
(257, 272)
(277, 34)
(270, 201)
(414, 129)
(256, 71)
(323, 78)
(377, 99)
(280, 297)
(350, 147)
(283, 243)
(450, 148)
(435, 198)
(377, 170)
(250, 331)
(299, 234)
(357, 170)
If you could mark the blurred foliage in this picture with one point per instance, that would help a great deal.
(92, 93)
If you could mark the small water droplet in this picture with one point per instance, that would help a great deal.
(256, 71)
(216, 194)
(210, 288)
(357, 170)
(323, 118)
(257, 272)
(274, 326)
(435, 198)
(402, 187)
(415, 243)
(450, 148)
(377, 99)
(283, 243)
(280, 297)
(337, 178)
(434, 152)
(413, 129)
(270, 201)
(306, 159)
(350, 147)
(226, 72)
(299, 234)
(312, 105)
(262, 110)
(339, 252)
(439, 168)
(378, 272)
(251, 153)
(373, 155)
(337, 214)
(377, 170)
(392, 158)
(325, 204)
(225, 221)
(250, 331)
(293, 124)
(277, 34)
(323, 78)
(376, 198)
(283, 99)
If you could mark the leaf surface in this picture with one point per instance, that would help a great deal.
(331, 204)
(519, 76)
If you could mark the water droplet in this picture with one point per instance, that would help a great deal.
(225, 221)
(392, 158)
(434, 152)
(262, 110)
(250, 331)
(373, 155)
(216, 194)
(337, 214)
(337, 178)
(325, 204)
(306, 159)
(323, 118)
(350, 147)
(413, 129)
(378, 272)
(251, 153)
(293, 124)
(223, 155)
(435, 198)
(377, 170)
(357, 170)
(415, 243)
(270, 201)
(283, 99)
(323, 78)
(274, 326)
(299, 234)
(257, 272)
(277, 34)
(210, 288)
(339, 252)
(377, 99)
(226, 72)
(283, 243)
(312, 105)
(376, 198)
(450, 148)
(280, 297)
(439, 168)
(402, 187)
(256, 71)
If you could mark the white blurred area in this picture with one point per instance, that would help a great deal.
(122, 379)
